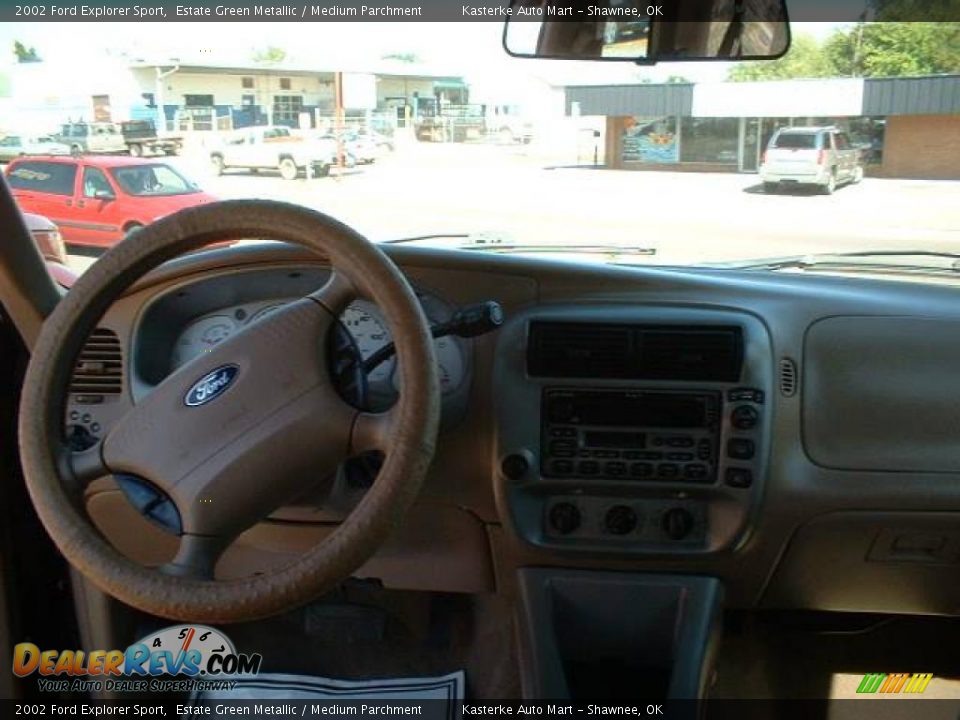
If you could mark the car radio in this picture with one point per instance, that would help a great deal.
(630, 434)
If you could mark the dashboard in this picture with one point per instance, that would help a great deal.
(740, 425)
(362, 320)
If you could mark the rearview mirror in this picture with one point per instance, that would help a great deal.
(645, 32)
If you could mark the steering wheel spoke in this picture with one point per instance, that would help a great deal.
(196, 556)
(335, 294)
(372, 431)
(84, 466)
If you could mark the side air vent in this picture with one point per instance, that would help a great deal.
(99, 369)
(652, 352)
(788, 377)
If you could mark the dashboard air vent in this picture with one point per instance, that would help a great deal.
(651, 352)
(788, 377)
(99, 369)
(579, 350)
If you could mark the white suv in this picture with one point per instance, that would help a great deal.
(821, 156)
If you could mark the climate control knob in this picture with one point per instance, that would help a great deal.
(620, 520)
(564, 518)
(677, 523)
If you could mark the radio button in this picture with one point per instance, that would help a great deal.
(680, 442)
(658, 441)
(561, 467)
(561, 445)
(631, 454)
(588, 467)
(615, 469)
(680, 456)
(740, 448)
(739, 477)
(641, 470)
(650, 455)
(668, 470)
(744, 417)
(696, 471)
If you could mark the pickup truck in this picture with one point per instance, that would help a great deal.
(820, 156)
(100, 138)
(141, 138)
(273, 148)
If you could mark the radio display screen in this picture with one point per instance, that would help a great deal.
(664, 410)
(604, 439)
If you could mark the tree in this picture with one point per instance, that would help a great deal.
(270, 56)
(404, 57)
(25, 54)
(892, 49)
(805, 59)
(879, 49)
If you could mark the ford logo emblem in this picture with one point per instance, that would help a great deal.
(211, 386)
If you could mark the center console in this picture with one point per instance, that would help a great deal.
(649, 432)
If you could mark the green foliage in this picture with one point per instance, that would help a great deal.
(882, 49)
(270, 56)
(404, 57)
(25, 54)
(805, 59)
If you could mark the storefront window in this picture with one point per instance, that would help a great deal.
(709, 140)
(650, 140)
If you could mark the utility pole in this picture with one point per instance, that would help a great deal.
(338, 118)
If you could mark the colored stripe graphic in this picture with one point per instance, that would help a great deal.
(894, 683)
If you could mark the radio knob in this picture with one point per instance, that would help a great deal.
(514, 466)
(677, 523)
(620, 520)
(744, 417)
(564, 518)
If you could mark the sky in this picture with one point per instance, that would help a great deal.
(457, 48)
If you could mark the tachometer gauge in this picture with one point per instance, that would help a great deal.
(201, 336)
(368, 328)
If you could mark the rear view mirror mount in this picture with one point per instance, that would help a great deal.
(644, 32)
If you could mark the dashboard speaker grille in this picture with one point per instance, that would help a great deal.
(99, 369)
(788, 377)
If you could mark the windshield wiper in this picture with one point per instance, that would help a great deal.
(481, 242)
(864, 260)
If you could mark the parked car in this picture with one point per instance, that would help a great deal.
(141, 138)
(96, 137)
(96, 201)
(14, 146)
(50, 243)
(270, 147)
(820, 156)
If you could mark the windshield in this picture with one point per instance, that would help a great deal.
(413, 129)
(152, 180)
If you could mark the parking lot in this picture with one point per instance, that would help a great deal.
(513, 193)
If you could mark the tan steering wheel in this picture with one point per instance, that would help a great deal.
(227, 438)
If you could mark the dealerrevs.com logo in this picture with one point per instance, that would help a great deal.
(176, 658)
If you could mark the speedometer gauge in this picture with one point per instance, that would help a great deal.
(201, 336)
(364, 322)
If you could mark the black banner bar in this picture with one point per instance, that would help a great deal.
(463, 10)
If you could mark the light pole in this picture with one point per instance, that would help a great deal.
(158, 93)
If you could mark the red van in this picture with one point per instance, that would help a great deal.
(97, 200)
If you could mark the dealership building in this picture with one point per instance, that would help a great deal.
(908, 127)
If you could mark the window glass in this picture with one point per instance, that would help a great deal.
(56, 178)
(10, 141)
(152, 180)
(95, 183)
(709, 140)
(796, 141)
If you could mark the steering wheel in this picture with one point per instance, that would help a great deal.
(227, 438)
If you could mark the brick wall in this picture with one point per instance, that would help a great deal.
(921, 146)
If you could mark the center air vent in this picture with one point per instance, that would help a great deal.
(99, 369)
(651, 352)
